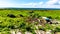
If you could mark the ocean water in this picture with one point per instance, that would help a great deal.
(33, 8)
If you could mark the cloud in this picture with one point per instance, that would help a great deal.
(51, 2)
(5, 3)
(32, 5)
(48, 4)
(59, 2)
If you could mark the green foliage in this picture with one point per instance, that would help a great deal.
(57, 29)
(48, 27)
(19, 21)
(5, 32)
(41, 28)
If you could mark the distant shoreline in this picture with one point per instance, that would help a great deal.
(32, 8)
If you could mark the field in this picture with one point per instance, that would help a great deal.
(19, 19)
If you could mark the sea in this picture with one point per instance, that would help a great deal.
(33, 8)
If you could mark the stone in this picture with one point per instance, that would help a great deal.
(28, 33)
(12, 32)
(18, 33)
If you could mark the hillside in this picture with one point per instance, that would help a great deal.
(11, 19)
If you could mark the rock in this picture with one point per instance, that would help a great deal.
(39, 32)
(28, 33)
(12, 32)
(48, 32)
(18, 33)
(55, 21)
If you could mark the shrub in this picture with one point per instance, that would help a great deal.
(57, 29)
(11, 15)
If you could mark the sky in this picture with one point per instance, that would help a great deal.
(30, 3)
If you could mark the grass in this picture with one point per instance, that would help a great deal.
(19, 22)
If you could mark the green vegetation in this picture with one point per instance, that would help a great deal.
(17, 19)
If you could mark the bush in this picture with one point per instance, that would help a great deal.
(41, 28)
(11, 15)
(57, 29)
